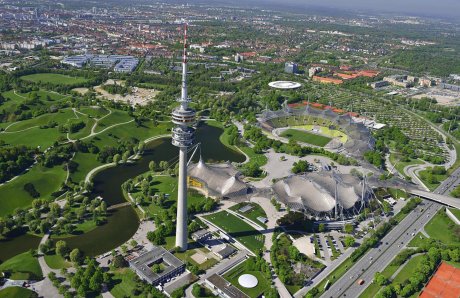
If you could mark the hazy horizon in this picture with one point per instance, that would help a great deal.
(441, 8)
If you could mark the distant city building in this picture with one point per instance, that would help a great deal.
(400, 80)
(169, 264)
(450, 87)
(120, 63)
(425, 82)
(291, 67)
(379, 84)
(455, 77)
(313, 71)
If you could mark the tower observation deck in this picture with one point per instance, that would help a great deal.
(183, 135)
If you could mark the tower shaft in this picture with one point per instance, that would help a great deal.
(181, 228)
(183, 135)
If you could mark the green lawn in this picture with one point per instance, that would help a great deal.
(17, 292)
(418, 240)
(252, 214)
(123, 283)
(305, 137)
(33, 137)
(233, 275)
(45, 180)
(60, 117)
(400, 165)
(115, 117)
(86, 162)
(94, 111)
(56, 262)
(237, 228)
(438, 228)
(23, 266)
(408, 269)
(431, 186)
(54, 78)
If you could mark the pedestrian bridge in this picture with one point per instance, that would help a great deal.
(442, 199)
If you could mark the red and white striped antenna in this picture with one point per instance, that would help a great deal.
(184, 98)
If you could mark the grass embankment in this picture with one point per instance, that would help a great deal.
(123, 283)
(305, 137)
(23, 267)
(432, 185)
(45, 180)
(400, 165)
(53, 78)
(17, 292)
(439, 228)
(115, 117)
(260, 159)
(238, 229)
(373, 288)
(233, 275)
(56, 262)
(255, 212)
(408, 270)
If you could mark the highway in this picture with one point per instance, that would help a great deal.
(380, 257)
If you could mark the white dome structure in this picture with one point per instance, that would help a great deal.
(248, 281)
(285, 85)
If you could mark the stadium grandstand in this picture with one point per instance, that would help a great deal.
(359, 138)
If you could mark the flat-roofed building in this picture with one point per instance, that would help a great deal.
(169, 266)
(223, 288)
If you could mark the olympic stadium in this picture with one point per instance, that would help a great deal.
(324, 195)
(359, 138)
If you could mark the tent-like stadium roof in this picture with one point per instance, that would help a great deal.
(317, 191)
(220, 179)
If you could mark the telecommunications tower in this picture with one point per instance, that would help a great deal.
(182, 137)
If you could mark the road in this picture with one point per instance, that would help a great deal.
(380, 257)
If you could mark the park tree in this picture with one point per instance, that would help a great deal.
(119, 262)
(152, 166)
(348, 228)
(61, 248)
(349, 241)
(126, 156)
(116, 158)
(380, 279)
(321, 227)
(75, 256)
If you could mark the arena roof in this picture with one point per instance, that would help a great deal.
(316, 191)
(221, 180)
(284, 85)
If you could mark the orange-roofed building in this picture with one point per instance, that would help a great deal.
(248, 54)
(327, 80)
(445, 283)
(316, 105)
(368, 73)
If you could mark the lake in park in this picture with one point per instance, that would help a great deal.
(123, 222)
